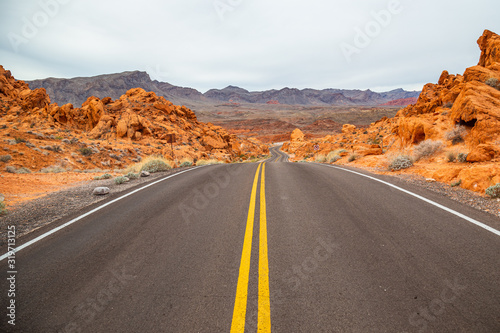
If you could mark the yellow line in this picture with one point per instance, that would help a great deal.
(264, 312)
(240, 302)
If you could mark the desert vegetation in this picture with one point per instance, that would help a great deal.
(400, 162)
(427, 148)
(493, 191)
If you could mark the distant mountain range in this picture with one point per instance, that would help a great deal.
(77, 90)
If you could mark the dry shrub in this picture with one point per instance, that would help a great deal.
(427, 148)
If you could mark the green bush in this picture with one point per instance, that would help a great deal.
(189, 163)
(320, 158)
(3, 210)
(85, 151)
(333, 156)
(155, 165)
(462, 157)
(427, 148)
(121, 180)
(105, 176)
(23, 170)
(493, 191)
(456, 135)
(12, 169)
(132, 175)
(451, 156)
(400, 162)
(5, 158)
(53, 169)
(352, 157)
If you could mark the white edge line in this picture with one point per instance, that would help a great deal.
(449, 210)
(48, 233)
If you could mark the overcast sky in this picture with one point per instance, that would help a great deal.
(254, 44)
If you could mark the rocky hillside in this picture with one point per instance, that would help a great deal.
(401, 102)
(104, 133)
(451, 134)
(77, 90)
(294, 96)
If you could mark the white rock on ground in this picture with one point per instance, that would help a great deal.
(144, 174)
(101, 191)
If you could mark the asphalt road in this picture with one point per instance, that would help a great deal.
(319, 250)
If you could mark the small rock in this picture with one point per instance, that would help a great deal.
(145, 174)
(101, 191)
(430, 180)
(66, 141)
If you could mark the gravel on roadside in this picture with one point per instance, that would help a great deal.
(456, 193)
(37, 213)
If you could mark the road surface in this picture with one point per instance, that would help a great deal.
(306, 248)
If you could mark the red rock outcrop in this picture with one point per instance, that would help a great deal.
(135, 124)
(466, 100)
(471, 101)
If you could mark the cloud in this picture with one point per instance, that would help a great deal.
(253, 44)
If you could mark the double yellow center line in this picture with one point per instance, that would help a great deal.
(264, 304)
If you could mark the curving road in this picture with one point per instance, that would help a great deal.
(277, 155)
(281, 247)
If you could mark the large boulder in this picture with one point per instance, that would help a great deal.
(101, 190)
(489, 43)
(348, 128)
